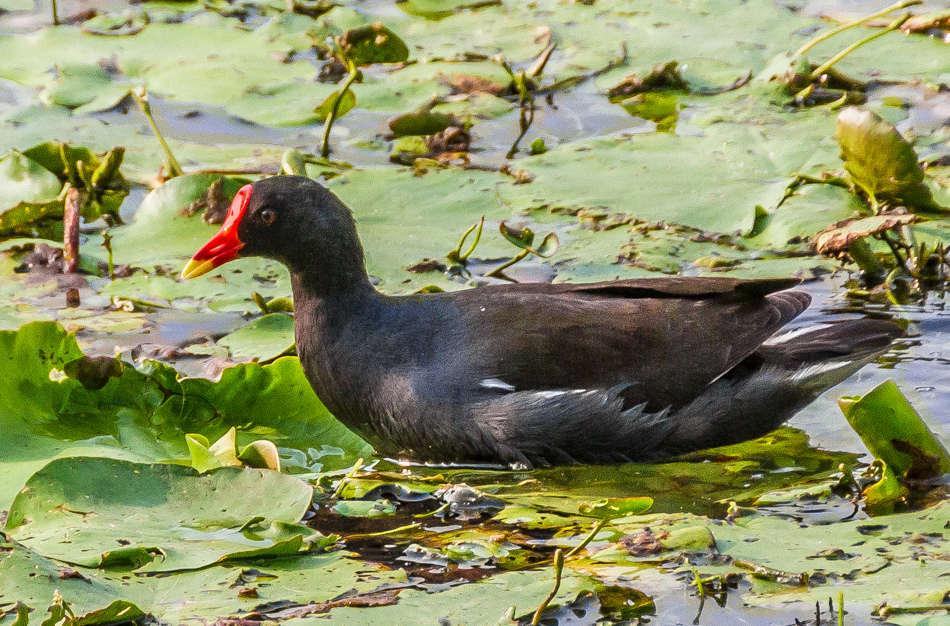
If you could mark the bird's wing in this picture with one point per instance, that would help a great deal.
(664, 339)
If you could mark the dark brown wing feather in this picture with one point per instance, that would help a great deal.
(667, 338)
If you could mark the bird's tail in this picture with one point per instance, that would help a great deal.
(769, 386)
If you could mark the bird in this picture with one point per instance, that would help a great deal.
(532, 374)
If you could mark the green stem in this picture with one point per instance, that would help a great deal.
(107, 244)
(456, 255)
(383, 533)
(55, 14)
(840, 29)
(339, 488)
(496, 272)
(698, 579)
(590, 537)
(840, 608)
(325, 142)
(558, 566)
(824, 67)
(171, 163)
(887, 610)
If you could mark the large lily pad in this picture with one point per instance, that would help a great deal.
(90, 512)
(145, 415)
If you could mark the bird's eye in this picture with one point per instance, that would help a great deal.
(268, 216)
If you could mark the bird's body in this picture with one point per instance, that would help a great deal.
(537, 373)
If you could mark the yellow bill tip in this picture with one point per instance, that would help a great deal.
(194, 268)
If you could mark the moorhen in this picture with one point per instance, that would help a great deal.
(527, 374)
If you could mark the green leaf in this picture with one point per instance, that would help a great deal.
(882, 162)
(520, 237)
(549, 246)
(371, 44)
(881, 497)
(22, 179)
(77, 509)
(261, 454)
(611, 508)
(421, 123)
(893, 432)
(322, 112)
(145, 414)
(263, 339)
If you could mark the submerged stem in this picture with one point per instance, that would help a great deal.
(840, 29)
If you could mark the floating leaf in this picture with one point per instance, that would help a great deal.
(261, 454)
(263, 339)
(610, 508)
(421, 123)
(839, 237)
(23, 179)
(371, 44)
(193, 519)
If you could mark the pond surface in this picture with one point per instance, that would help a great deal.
(667, 181)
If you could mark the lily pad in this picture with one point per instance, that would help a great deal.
(202, 519)
(371, 44)
(145, 413)
(421, 123)
(264, 339)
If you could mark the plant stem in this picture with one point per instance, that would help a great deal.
(71, 231)
(840, 608)
(325, 142)
(339, 488)
(525, 119)
(171, 163)
(840, 29)
(496, 272)
(558, 566)
(55, 13)
(456, 255)
(107, 244)
(824, 67)
(590, 537)
(698, 579)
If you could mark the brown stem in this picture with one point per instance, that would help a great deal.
(71, 231)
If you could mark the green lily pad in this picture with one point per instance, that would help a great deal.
(421, 123)
(24, 180)
(192, 521)
(145, 414)
(610, 508)
(264, 339)
(371, 44)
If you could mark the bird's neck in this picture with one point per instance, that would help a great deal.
(319, 296)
